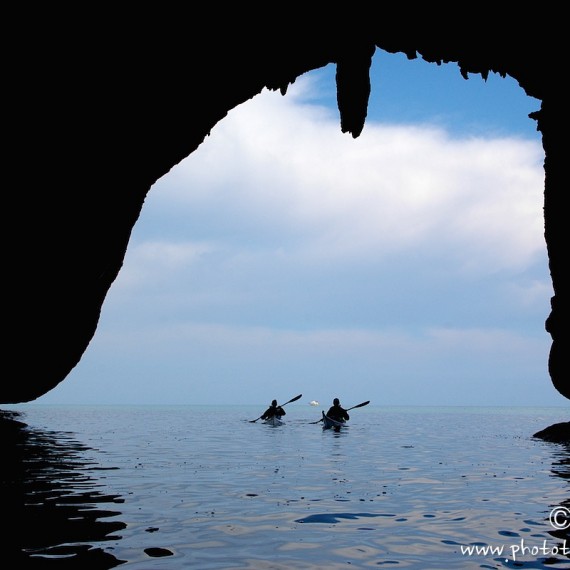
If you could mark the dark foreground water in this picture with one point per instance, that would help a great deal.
(202, 487)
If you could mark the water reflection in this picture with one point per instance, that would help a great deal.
(53, 512)
(559, 436)
(561, 468)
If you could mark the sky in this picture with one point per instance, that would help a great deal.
(406, 267)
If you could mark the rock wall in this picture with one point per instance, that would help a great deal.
(99, 105)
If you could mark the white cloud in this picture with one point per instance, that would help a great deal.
(279, 170)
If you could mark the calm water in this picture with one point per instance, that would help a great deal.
(202, 487)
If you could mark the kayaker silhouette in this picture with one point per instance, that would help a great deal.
(272, 411)
(337, 412)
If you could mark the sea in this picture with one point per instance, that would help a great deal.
(206, 487)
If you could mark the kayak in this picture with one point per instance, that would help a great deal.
(329, 423)
(274, 421)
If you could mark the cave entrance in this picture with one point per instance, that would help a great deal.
(407, 266)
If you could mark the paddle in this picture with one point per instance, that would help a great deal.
(347, 409)
(288, 402)
(359, 405)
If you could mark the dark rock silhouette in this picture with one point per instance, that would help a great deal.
(556, 433)
(100, 107)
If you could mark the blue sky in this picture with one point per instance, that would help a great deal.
(405, 267)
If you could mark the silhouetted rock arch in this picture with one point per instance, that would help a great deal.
(100, 106)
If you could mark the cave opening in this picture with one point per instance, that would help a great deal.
(407, 265)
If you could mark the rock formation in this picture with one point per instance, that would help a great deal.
(100, 105)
